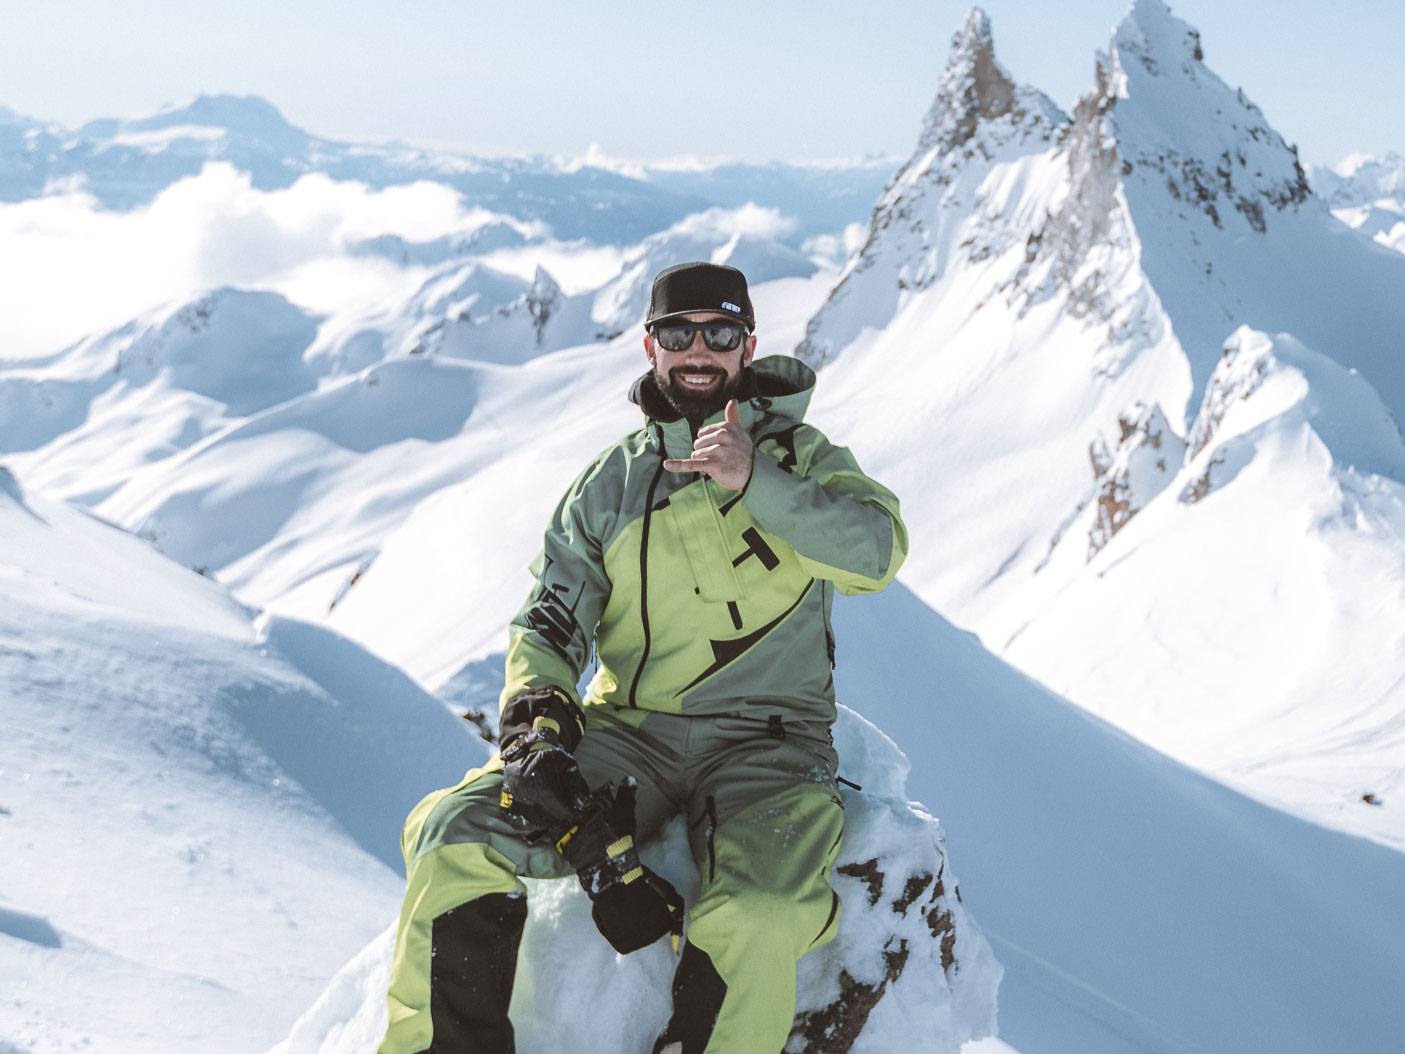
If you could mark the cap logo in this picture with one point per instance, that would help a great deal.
(730, 306)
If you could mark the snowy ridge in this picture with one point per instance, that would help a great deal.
(1301, 457)
(171, 779)
(1117, 887)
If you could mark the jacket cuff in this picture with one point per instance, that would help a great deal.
(768, 493)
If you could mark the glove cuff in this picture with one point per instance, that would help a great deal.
(547, 711)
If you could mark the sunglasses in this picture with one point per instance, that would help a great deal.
(718, 335)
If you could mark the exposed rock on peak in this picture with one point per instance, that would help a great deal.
(1155, 36)
(974, 87)
(543, 300)
(1145, 458)
(1182, 129)
(1129, 470)
(979, 119)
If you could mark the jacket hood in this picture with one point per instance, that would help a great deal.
(777, 384)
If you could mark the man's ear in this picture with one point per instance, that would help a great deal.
(750, 351)
(649, 348)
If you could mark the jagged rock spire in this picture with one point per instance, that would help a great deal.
(973, 87)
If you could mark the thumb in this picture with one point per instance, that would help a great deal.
(733, 412)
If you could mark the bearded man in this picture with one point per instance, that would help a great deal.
(697, 558)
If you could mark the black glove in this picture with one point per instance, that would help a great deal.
(631, 905)
(542, 789)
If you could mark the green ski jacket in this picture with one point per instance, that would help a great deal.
(702, 600)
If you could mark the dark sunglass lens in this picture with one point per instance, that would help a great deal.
(722, 336)
(675, 337)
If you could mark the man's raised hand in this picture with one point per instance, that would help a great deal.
(723, 451)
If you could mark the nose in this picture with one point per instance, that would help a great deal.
(698, 351)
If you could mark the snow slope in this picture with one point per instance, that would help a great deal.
(1135, 905)
(182, 799)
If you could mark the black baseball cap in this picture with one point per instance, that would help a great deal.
(685, 288)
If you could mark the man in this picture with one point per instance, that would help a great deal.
(700, 556)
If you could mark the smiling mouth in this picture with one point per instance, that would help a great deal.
(690, 379)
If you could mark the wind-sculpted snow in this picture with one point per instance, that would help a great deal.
(908, 961)
(192, 826)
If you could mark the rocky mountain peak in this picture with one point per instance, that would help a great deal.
(973, 87)
(980, 119)
(1181, 129)
(1156, 38)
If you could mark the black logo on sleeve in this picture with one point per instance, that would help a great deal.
(552, 614)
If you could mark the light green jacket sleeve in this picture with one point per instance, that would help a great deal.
(549, 641)
(844, 526)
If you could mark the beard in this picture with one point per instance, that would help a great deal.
(697, 406)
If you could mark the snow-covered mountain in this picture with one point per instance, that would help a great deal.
(1192, 528)
(1138, 389)
(1367, 193)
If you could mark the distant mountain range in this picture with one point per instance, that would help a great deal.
(125, 163)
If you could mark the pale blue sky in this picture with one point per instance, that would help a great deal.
(786, 79)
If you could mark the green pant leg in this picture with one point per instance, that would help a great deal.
(769, 831)
(459, 849)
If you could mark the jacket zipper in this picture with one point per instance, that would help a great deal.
(644, 569)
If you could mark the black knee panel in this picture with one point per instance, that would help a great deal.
(473, 961)
(698, 991)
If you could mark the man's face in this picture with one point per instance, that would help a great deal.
(698, 381)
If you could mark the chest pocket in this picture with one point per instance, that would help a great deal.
(695, 526)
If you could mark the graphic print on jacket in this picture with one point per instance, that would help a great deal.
(707, 599)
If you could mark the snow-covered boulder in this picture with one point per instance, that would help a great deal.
(908, 960)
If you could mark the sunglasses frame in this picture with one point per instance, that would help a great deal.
(694, 328)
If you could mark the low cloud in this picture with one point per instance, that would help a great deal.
(761, 221)
(69, 268)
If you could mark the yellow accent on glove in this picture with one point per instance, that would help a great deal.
(561, 842)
